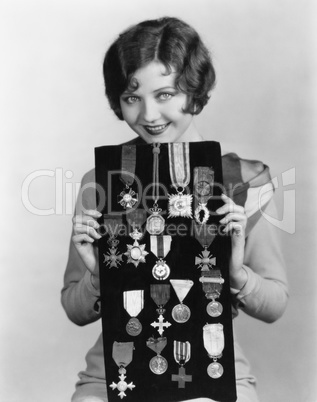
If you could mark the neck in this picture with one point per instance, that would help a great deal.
(191, 134)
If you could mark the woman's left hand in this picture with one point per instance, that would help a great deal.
(234, 222)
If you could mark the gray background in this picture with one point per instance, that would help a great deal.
(54, 113)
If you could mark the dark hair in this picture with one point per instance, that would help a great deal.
(170, 41)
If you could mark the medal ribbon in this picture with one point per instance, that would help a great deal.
(179, 164)
(203, 184)
(213, 339)
(122, 353)
(136, 217)
(160, 245)
(128, 162)
(181, 287)
(160, 294)
(182, 352)
(133, 301)
(112, 224)
(157, 345)
(156, 152)
(205, 234)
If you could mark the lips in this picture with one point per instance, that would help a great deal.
(157, 129)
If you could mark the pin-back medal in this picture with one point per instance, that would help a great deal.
(160, 295)
(212, 282)
(136, 252)
(133, 302)
(181, 313)
(158, 364)
(122, 353)
(155, 223)
(179, 166)
(203, 191)
(214, 344)
(160, 247)
(182, 353)
(113, 258)
(128, 197)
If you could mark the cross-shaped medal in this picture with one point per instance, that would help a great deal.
(204, 261)
(181, 377)
(161, 324)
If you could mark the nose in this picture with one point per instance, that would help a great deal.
(150, 111)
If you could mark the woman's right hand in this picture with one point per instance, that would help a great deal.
(85, 228)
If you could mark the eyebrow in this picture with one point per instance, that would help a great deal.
(155, 91)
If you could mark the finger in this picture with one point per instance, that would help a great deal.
(84, 229)
(82, 238)
(230, 207)
(234, 216)
(85, 220)
(235, 228)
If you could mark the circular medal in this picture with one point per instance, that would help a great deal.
(136, 253)
(158, 365)
(214, 309)
(161, 270)
(181, 313)
(155, 224)
(215, 370)
(134, 327)
(203, 188)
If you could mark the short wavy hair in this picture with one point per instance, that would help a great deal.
(168, 40)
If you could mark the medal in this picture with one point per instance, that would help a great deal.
(181, 313)
(128, 161)
(203, 191)
(112, 225)
(122, 355)
(133, 302)
(160, 295)
(179, 166)
(182, 352)
(160, 247)
(158, 364)
(205, 234)
(212, 282)
(155, 223)
(204, 261)
(136, 252)
(214, 344)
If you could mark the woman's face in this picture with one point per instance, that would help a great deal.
(155, 109)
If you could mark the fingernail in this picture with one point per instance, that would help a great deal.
(220, 210)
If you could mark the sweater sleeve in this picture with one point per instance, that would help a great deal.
(265, 294)
(79, 297)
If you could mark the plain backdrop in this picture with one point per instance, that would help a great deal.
(53, 114)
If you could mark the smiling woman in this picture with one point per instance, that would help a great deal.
(158, 76)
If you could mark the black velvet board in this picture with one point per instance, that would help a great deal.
(150, 387)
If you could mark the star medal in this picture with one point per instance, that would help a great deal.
(212, 282)
(158, 364)
(181, 313)
(214, 344)
(160, 295)
(155, 223)
(113, 258)
(179, 167)
(122, 353)
(133, 302)
(160, 247)
(128, 197)
(182, 353)
(203, 191)
(136, 252)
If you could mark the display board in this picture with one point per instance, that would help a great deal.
(165, 294)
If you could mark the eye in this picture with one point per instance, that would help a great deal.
(163, 96)
(130, 100)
